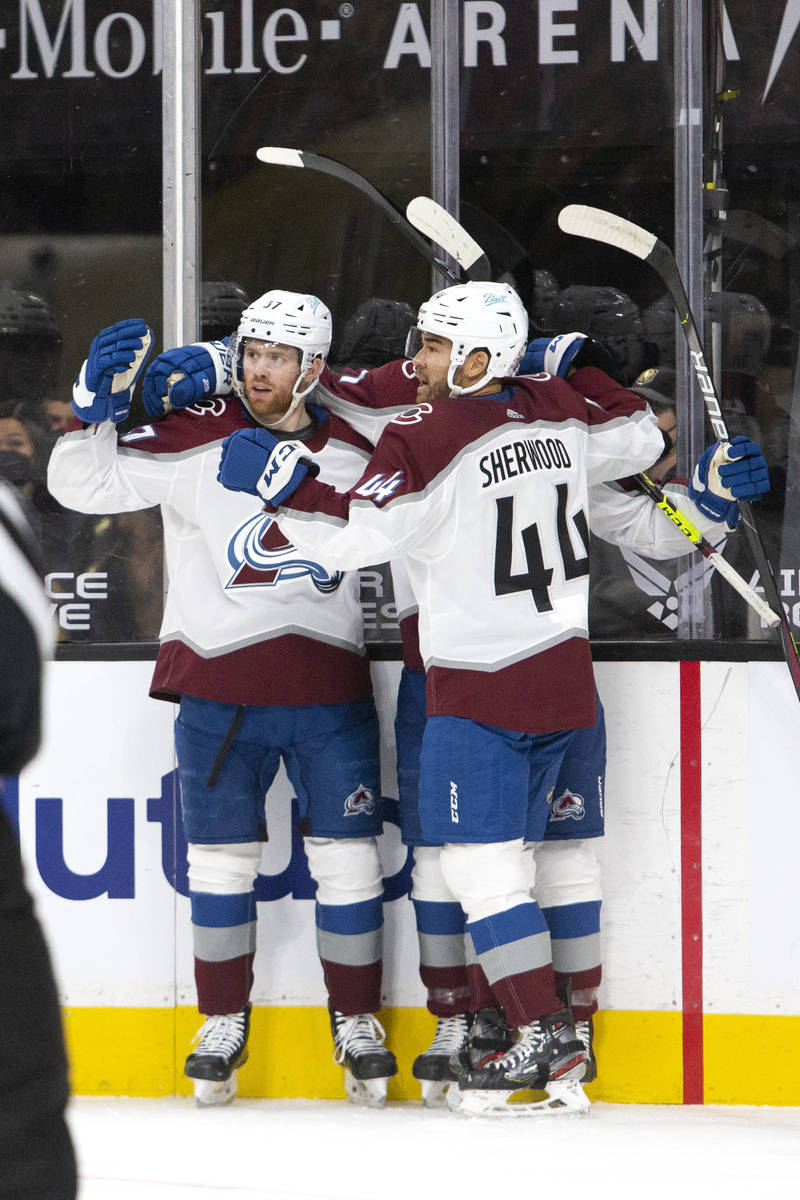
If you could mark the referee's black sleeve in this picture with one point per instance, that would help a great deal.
(21, 602)
(20, 688)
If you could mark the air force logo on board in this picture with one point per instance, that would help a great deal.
(260, 556)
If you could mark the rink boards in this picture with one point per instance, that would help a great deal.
(701, 992)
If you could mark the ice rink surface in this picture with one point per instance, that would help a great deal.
(329, 1150)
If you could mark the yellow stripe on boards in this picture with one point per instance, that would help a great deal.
(751, 1059)
(140, 1052)
(121, 1051)
(639, 1058)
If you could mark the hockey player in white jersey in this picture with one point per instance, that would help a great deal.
(263, 649)
(567, 872)
(487, 503)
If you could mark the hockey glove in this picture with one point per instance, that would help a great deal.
(564, 353)
(725, 473)
(255, 461)
(185, 376)
(104, 387)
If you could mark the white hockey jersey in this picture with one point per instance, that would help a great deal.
(369, 400)
(248, 618)
(486, 498)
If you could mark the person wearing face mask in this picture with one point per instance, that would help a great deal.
(25, 446)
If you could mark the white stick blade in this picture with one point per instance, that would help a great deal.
(602, 226)
(437, 223)
(759, 606)
(280, 155)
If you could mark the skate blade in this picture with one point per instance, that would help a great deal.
(368, 1093)
(567, 1095)
(211, 1093)
(562, 1099)
(434, 1092)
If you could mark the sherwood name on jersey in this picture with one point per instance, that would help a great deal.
(520, 457)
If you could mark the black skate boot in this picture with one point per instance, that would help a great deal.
(547, 1052)
(488, 1036)
(432, 1067)
(221, 1050)
(585, 1031)
(368, 1065)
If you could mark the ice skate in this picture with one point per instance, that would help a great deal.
(432, 1067)
(488, 1034)
(221, 1050)
(585, 1031)
(571, 1093)
(547, 1055)
(368, 1065)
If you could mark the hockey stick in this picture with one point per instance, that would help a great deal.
(430, 218)
(284, 157)
(679, 519)
(442, 227)
(601, 226)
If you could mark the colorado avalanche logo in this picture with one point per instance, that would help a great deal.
(260, 556)
(362, 800)
(412, 416)
(567, 806)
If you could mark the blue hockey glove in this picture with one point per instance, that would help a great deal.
(562, 353)
(725, 473)
(104, 387)
(255, 461)
(186, 375)
(532, 361)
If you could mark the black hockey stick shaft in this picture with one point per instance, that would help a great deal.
(285, 157)
(599, 225)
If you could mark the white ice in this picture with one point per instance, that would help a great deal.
(329, 1150)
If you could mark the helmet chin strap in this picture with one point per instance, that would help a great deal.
(455, 390)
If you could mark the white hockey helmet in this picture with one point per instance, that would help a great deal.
(477, 316)
(288, 319)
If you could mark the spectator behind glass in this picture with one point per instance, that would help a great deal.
(128, 549)
(123, 563)
(753, 373)
(25, 447)
(30, 345)
(55, 414)
(221, 306)
(609, 316)
(375, 334)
